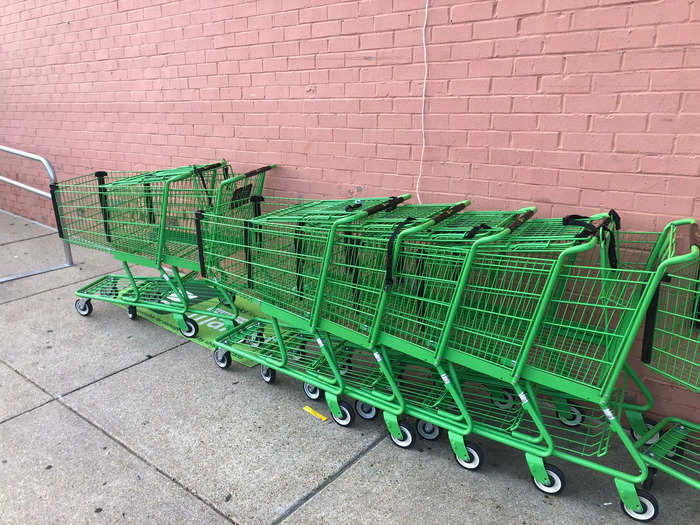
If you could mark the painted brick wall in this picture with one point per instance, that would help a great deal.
(575, 105)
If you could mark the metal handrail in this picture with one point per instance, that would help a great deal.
(52, 178)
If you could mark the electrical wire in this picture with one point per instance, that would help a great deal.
(422, 106)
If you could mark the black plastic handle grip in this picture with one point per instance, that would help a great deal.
(615, 218)
(54, 202)
(258, 171)
(352, 207)
(200, 246)
(200, 169)
(391, 203)
(448, 213)
(577, 220)
(389, 275)
(524, 217)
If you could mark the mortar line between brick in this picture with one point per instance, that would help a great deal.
(321, 486)
(147, 462)
(60, 286)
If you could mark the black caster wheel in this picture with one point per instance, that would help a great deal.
(556, 478)
(427, 430)
(348, 415)
(575, 418)
(268, 374)
(312, 392)
(407, 440)
(131, 312)
(476, 457)
(222, 358)
(365, 410)
(83, 307)
(192, 328)
(650, 507)
(650, 423)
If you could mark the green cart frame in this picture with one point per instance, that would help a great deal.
(148, 218)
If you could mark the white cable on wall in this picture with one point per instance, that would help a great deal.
(422, 105)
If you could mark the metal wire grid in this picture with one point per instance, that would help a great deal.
(586, 325)
(358, 267)
(678, 448)
(675, 348)
(123, 211)
(486, 401)
(589, 437)
(275, 262)
(499, 305)
(150, 290)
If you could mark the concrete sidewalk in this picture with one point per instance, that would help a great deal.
(104, 419)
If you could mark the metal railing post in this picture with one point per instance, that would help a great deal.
(52, 179)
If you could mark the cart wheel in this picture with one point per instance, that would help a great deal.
(312, 392)
(131, 312)
(407, 440)
(365, 410)
(192, 328)
(83, 306)
(348, 415)
(556, 477)
(268, 374)
(222, 358)
(650, 507)
(650, 423)
(507, 402)
(427, 430)
(574, 420)
(476, 456)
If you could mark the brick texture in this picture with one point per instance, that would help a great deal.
(575, 105)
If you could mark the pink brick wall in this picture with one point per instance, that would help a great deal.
(575, 105)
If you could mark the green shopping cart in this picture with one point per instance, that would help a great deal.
(148, 218)
(671, 348)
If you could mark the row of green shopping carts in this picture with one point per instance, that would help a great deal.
(489, 324)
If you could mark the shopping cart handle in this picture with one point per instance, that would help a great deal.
(476, 229)
(259, 170)
(208, 167)
(200, 247)
(448, 212)
(392, 203)
(520, 220)
(389, 274)
(577, 220)
(615, 218)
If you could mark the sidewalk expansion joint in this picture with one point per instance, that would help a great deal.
(89, 277)
(327, 481)
(27, 239)
(149, 463)
(58, 397)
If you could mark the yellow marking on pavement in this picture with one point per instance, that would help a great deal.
(314, 413)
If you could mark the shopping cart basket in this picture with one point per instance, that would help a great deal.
(148, 219)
